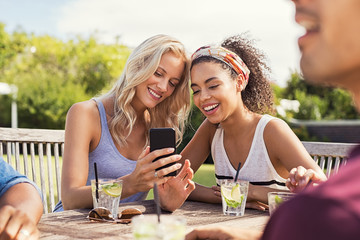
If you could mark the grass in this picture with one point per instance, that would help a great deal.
(204, 176)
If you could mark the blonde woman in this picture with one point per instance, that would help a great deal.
(153, 91)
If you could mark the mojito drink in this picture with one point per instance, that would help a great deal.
(275, 199)
(233, 195)
(147, 227)
(109, 193)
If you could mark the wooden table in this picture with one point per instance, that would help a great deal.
(73, 224)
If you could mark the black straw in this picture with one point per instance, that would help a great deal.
(237, 172)
(96, 182)
(157, 201)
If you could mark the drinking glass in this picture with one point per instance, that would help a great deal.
(108, 196)
(147, 227)
(233, 195)
(275, 199)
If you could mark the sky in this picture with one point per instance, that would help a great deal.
(194, 22)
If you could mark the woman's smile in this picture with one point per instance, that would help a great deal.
(154, 94)
(211, 108)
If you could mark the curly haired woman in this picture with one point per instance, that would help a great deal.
(231, 88)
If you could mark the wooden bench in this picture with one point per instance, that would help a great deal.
(25, 150)
(329, 156)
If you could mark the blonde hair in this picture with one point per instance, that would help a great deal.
(141, 64)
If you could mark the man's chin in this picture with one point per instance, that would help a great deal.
(313, 75)
(326, 80)
(319, 80)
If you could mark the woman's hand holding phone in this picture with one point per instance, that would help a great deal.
(163, 138)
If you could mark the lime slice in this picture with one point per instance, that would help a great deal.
(226, 192)
(232, 197)
(235, 193)
(145, 231)
(175, 232)
(278, 199)
(113, 190)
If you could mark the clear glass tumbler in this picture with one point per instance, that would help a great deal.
(147, 227)
(275, 199)
(233, 195)
(108, 194)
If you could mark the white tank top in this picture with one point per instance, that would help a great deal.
(258, 169)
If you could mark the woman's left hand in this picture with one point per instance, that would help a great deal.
(176, 190)
(300, 178)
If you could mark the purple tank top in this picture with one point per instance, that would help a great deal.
(110, 163)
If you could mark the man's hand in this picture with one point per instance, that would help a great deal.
(15, 224)
(223, 233)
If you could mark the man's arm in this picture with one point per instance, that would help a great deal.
(223, 232)
(20, 211)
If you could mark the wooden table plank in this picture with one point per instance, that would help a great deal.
(73, 224)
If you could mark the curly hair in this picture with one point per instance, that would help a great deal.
(258, 95)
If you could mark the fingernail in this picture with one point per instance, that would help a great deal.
(170, 150)
(178, 165)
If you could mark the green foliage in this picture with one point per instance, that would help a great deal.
(278, 93)
(318, 102)
(5, 111)
(51, 75)
(195, 120)
(10, 46)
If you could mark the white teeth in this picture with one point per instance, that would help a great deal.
(211, 107)
(309, 25)
(153, 93)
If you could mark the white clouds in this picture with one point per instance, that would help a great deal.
(194, 22)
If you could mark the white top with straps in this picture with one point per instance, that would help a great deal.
(258, 169)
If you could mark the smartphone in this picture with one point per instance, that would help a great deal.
(163, 138)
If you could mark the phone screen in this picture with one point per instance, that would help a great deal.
(163, 138)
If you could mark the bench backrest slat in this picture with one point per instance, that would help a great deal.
(31, 135)
(329, 155)
(36, 153)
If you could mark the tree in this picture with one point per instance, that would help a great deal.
(318, 103)
(51, 74)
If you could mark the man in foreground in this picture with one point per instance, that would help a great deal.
(330, 56)
(20, 205)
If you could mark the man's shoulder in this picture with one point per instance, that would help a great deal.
(7, 171)
(10, 177)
